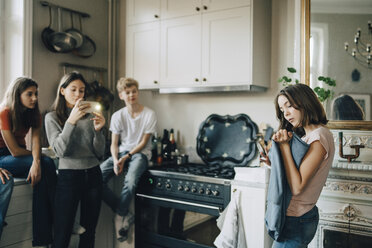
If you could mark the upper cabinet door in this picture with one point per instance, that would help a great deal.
(180, 8)
(215, 5)
(227, 47)
(180, 51)
(143, 54)
(140, 11)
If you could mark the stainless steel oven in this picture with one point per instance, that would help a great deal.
(178, 210)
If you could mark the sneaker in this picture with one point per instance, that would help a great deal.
(77, 229)
(118, 225)
(123, 235)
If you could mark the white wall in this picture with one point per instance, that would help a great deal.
(46, 70)
(185, 112)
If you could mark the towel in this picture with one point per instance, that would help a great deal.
(231, 225)
(279, 194)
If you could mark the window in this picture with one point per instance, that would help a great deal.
(15, 40)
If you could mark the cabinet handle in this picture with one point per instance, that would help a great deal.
(156, 16)
(197, 9)
(204, 79)
(196, 79)
(155, 82)
(205, 7)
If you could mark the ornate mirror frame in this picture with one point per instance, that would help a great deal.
(305, 68)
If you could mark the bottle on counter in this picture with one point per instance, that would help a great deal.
(173, 145)
(154, 148)
(165, 146)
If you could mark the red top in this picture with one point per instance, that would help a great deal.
(6, 124)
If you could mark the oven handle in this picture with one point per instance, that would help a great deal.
(177, 201)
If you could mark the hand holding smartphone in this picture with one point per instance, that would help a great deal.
(93, 106)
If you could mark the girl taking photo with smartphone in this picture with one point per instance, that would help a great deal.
(78, 141)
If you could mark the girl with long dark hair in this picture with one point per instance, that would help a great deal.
(18, 115)
(299, 110)
(78, 141)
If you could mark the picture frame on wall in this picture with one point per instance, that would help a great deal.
(364, 100)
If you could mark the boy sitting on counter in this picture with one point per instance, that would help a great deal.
(133, 126)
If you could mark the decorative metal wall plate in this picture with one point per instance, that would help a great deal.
(227, 140)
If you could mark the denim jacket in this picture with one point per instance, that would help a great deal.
(279, 193)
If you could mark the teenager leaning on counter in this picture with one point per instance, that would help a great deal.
(20, 113)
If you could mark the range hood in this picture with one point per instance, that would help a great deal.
(206, 89)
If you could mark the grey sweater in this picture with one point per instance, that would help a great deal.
(77, 146)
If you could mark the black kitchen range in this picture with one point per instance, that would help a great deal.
(177, 205)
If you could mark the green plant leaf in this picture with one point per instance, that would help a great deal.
(291, 70)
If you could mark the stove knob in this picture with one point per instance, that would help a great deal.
(201, 191)
(159, 184)
(187, 188)
(167, 185)
(193, 189)
(208, 191)
(215, 192)
(180, 188)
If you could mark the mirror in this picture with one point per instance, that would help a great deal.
(328, 31)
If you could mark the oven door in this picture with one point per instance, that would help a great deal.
(168, 223)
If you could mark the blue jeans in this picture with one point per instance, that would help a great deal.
(5, 194)
(43, 192)
(137, 165)
(298, 231)
(74, 186)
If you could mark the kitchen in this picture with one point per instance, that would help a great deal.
(107, 27)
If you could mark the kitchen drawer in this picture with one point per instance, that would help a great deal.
(18, 231)
(21, 200)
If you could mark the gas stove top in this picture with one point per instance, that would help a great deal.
(213, 171)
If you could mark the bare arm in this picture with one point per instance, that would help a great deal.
(298, 179)
(12, 144)
(35, 171)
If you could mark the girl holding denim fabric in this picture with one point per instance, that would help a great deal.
(299, 110)
(78, 141)
(18, 115)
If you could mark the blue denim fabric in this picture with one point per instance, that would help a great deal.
(137, 165)
(5, 194)
(298, 231)
(279, 194)
(43, 193)
(74, 186)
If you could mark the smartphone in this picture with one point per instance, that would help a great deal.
(261, 148)
(94, 106)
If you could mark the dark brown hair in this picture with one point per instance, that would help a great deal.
(59, 104)
(302, 98)
(21, 117)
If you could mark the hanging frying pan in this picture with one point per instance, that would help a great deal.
(45, 34)
(78, 36)
(88, 48)
(61, 41)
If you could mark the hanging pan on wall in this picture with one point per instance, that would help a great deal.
(45, 34)
(61, 41)
(76, 34)
(88, 48)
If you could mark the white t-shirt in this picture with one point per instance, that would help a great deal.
(131, 130)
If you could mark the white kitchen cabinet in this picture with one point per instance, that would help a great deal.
(209, 49)
(143, 54)
(180, 52)
(252, 184)
(221, 43)
(177, 8)
(141, 11)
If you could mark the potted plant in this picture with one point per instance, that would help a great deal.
(323, 93)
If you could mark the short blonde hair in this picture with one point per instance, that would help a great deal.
(124, 83)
